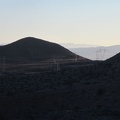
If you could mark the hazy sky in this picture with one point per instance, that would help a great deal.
(94, 22)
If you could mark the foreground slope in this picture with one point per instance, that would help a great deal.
(80, 93)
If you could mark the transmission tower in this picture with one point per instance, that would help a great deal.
(58, 66)
(76, 58)
(4, 65)
(103, 53)
(56, 62)
(100, 54)
(97, 55)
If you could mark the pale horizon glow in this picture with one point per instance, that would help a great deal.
(94, 22)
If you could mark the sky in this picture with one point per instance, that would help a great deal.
(94, 22)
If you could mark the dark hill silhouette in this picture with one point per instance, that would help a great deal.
(33, 47)
(114, 59)
(112, 64)
(30, 47)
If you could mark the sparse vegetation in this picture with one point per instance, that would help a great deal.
(81, 90)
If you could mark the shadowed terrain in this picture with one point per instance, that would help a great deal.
(79, 91)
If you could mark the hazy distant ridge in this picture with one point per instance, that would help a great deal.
(92, 52)
(72, 45)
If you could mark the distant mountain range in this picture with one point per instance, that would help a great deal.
(97, 53)
(72, 45)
